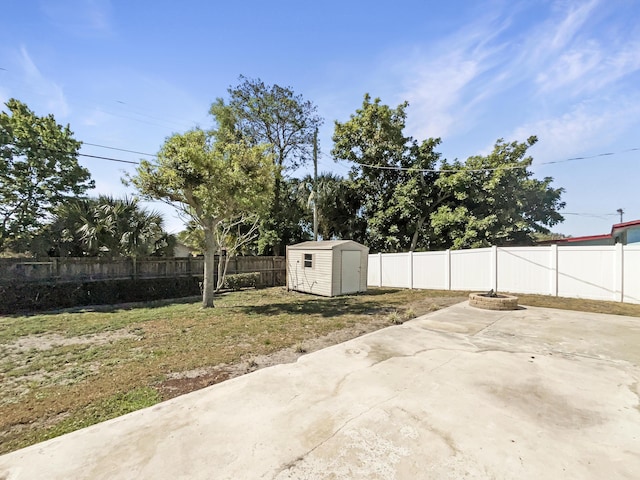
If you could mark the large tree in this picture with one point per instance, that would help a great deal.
(210, 182)
(39, 170)
(397, 196)
(494, 200)
(411, 199)
(273, 115)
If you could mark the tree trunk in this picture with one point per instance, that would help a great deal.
(276, 215)
(223, 264)
(208, 286)
(416, 233)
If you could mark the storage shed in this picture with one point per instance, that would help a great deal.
(328, 268)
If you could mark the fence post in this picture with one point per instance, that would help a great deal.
(55, 268)
(447, 269)
(618, 272)
(380, 269)
(134, 268)
(494, 268)
(553, 271)
(410, 270)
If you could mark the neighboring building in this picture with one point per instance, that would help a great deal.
(327, 268)
(624, 233)
(627, 232)
(181, 250)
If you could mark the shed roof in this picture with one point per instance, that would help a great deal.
(323, 245)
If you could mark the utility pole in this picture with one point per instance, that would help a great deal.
(315, 181)
(621, 212)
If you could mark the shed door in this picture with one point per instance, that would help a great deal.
(350, 271)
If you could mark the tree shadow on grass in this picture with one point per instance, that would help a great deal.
(105, 308)
(306, 304)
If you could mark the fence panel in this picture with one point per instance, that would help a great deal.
(395, 270)
(586, 272)
(631, 274)
(471, 269)
(373, 270)
(271, 269)
(595, 272)
(525, 269)
(430, 270)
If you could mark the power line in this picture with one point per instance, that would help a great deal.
(490, 169)
(591, 215)
(108, 158)
(119, 149)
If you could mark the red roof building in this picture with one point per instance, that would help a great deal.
(625, 233)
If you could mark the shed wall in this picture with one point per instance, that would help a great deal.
(317, 279)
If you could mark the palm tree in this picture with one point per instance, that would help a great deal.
(108, 226)
(334, 200)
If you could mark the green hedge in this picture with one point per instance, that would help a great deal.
(47, 296)
(241, 280)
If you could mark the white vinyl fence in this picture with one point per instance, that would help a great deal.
(598, 272)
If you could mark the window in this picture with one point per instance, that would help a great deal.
(308, 260)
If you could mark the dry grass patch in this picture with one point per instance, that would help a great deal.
(579, 304)
(65, 370)
(62, 371)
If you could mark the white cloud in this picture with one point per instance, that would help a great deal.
(446, 83)
(581, 129)
(570, 68)
(53, 94)
(565, 32)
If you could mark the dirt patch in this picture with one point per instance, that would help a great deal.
(47, 341)
(18, 376)
(184, 382)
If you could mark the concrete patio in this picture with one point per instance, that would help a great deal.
(459, 393)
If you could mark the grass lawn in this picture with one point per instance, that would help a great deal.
(62, 371)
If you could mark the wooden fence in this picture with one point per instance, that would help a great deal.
(27, 270)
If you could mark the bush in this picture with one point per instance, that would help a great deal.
(241, 280)
(47, 296)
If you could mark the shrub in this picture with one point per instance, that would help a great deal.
(47, 296)
(241, 280)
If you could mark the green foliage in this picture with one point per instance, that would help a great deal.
(275, 116)
(47, 296)
(238, 281)
(105, 226)
(268, 114)
(39, 170)
(495, 201)
(394, 203)
(407, 204)
(211, 182)
(338, 204)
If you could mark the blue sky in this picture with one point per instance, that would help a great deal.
(128, 74)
